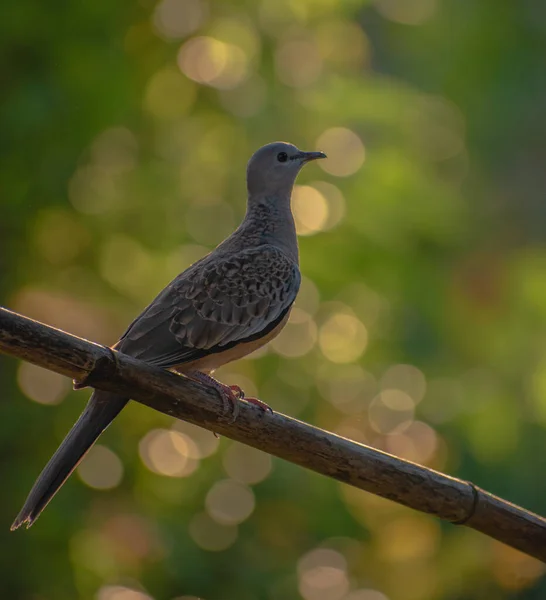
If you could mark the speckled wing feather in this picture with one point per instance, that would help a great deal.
(218, 302)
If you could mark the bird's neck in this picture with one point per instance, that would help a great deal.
(269, 220)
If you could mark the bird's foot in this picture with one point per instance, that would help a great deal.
(250, 399)
(236, 390)
(258, 403)
(230, 394)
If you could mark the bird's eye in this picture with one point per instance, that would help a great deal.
(282, 157)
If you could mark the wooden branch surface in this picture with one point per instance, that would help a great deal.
(417, 487)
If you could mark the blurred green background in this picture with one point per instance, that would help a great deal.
(420, 328)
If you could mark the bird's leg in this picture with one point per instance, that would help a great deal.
(250, 399)
(237, 390)
(256, 402)
(231, 394)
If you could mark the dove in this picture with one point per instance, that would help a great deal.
(223, 307)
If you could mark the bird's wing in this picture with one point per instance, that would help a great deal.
(215, 304)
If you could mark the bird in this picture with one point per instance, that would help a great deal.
(221, 308)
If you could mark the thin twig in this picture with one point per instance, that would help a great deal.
(417, 487)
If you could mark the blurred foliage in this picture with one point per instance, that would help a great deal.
(420, 328)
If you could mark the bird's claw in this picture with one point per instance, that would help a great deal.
(240, 395)
(258, 403)
(237, 391)
(230, 394)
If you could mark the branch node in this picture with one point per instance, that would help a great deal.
(473, 506)
(105, 366)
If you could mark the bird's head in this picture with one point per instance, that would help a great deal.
(273, 168)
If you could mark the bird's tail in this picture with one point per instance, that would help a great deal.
(100, 411)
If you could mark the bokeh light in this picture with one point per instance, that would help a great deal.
(343, 338)
(414, 12)
(335, 201)
(323, 575)
(514, 570)
(115, 149)
(276, 15)
(298, 63)
(342, 44)
(407, 378)
(308, 297)
(94, 190)
(169, 94)
(65, 312)
(349, 388)
(175, 19)
(344, 149)
(101, 468)
(211, 535)
(298, 337)
(169, 453)
(41, 385)
(59, 236)
(247, 99)
(241, 31)
(209, 61)
(130, 538)
(409, 538)
(120, 592)
(391, 411)
(417, 442)
(245, 464)
(365, 594)
(310, 209)
(229, 502)
(201, 442)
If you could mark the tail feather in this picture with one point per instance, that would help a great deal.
(100, 411)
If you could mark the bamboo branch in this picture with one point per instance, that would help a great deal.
(456, 501)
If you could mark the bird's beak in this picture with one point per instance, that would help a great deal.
(309, 156)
